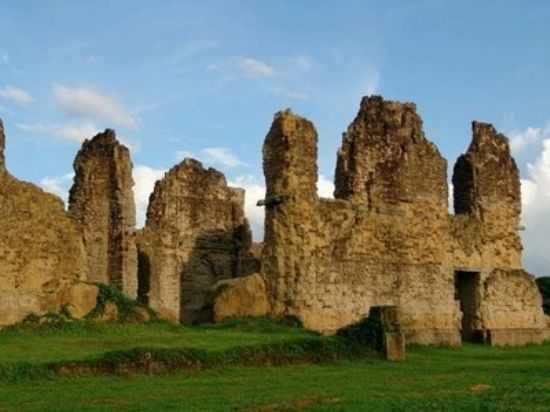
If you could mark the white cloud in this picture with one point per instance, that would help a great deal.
(213, 155)
(71, 132)
(58, 185)
(89, 103)
(255, 190)
(325, 187)
(144, 179)
(75, 133)
(535, 190)
(222, 156)
(4, 58)
(255, 68)
(520, 139)
(16, 95)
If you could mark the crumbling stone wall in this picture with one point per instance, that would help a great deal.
(195, 235)
(102, 200)
(387, 238)
(329, 261)
(510, 300)
(41, 249)
(485, 239)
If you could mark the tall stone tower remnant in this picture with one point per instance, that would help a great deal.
(102, 201)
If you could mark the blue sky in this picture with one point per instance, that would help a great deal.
(204, 78)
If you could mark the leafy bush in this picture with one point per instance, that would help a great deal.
(126, 307)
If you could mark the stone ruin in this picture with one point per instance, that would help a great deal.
(41, 249)
(385, 240)
(102, 201)
(195, 235)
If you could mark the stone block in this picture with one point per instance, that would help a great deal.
(240, 297)
(395, 346)
(80, 299)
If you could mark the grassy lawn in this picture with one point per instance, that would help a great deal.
(471, 378)
(88, 340)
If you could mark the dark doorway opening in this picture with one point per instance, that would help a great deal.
(144, 278)
(466, 292)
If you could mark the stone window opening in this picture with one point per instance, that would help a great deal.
(144, 278)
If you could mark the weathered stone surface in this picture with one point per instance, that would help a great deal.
(41, 250)
(387, 238)
(385, 159)
(16, 305)
(510, 299)
(102, 200)
(487, 203)
(395, 346)
(329, 261)
(79, 299)
(196, 234)
(515, 337)
(240, 297)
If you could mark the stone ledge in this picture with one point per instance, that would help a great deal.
(436, 337)
(515, 337)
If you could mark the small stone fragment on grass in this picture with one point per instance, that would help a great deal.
(481, 387)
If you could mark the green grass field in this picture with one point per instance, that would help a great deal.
(471, 378)
(89, 340)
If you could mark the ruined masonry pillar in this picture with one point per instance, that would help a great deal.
(486, 178)
(290, 168)
(487, 188)
(102, 200)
